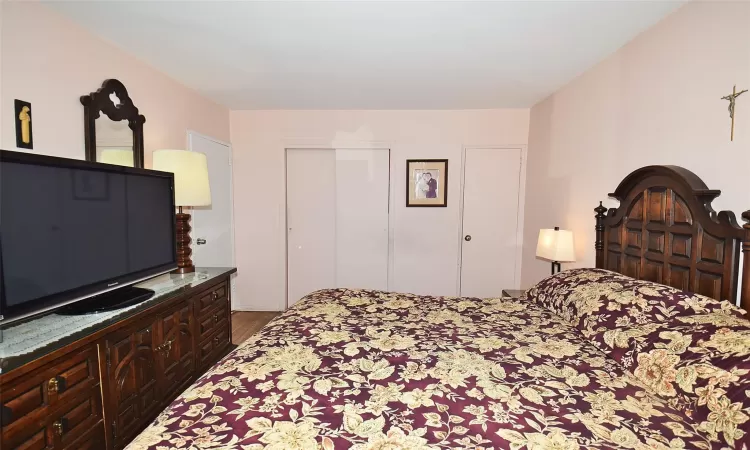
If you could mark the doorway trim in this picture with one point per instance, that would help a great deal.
(520, 212)
(189, 146)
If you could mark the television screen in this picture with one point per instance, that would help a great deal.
(70, 229)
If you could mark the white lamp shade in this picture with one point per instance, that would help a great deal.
(556, 245)
(190, 171)
(118, 157)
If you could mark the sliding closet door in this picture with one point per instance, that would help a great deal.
(489, 247)
(311, 221)
(362, 218)
(337, 220)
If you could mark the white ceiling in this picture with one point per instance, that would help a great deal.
(370, 55)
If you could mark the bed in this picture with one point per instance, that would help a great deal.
(587, 359)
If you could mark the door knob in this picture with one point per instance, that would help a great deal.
(200, 241)
(467, 238)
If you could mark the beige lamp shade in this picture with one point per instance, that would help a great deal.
(118, 157)
(190, 171)
(556, 245)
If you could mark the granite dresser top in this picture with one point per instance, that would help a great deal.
(24, 341)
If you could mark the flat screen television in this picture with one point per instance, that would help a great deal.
(73, 230)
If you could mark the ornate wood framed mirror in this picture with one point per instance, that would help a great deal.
(115, 137)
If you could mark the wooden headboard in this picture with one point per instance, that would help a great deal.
(666, 231)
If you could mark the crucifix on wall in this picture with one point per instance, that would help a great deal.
(732, 99)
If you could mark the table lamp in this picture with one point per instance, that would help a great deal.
(191, 189)
(118, 157)
(556, 246)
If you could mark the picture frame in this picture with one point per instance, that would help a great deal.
(427, 183)
(24, 123)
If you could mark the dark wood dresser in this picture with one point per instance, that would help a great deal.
(95, 381)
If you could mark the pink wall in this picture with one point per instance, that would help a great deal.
(50, 61)
(425, 261)
(655, 101)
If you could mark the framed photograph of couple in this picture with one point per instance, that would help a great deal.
(427, 182)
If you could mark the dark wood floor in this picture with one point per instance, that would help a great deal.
(247, 323)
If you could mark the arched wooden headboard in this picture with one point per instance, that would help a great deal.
(666, 231)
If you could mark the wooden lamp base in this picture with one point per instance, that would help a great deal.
(184, 263)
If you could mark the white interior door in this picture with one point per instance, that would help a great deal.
(311, 221)
(362, 188)
(213, 226)
(337, 219)
(490, 221)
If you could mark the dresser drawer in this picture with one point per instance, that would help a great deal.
(33, 437)
(208, 300)
(61, 427)
(215, 319)
(92, 439)
(210, 349)
(74, 421)
(31, 398)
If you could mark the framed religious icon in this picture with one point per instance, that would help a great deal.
(24, 133)
(427, 182)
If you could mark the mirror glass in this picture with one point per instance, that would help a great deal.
(114, 142)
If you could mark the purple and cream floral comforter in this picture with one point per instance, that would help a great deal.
(373, 370)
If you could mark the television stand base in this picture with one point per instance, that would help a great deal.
(108, 301)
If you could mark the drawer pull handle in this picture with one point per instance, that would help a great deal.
(56, 385)
(59, 427)
(214, 295)
(216, 318)
(217, 339)
(165, 347)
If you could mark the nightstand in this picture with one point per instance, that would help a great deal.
(513, 293)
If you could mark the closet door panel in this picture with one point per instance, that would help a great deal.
(311, 221)
(362, 190)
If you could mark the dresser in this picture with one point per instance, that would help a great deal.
(95, 381)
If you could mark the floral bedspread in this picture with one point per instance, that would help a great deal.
(373, 370)
(691, 350)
